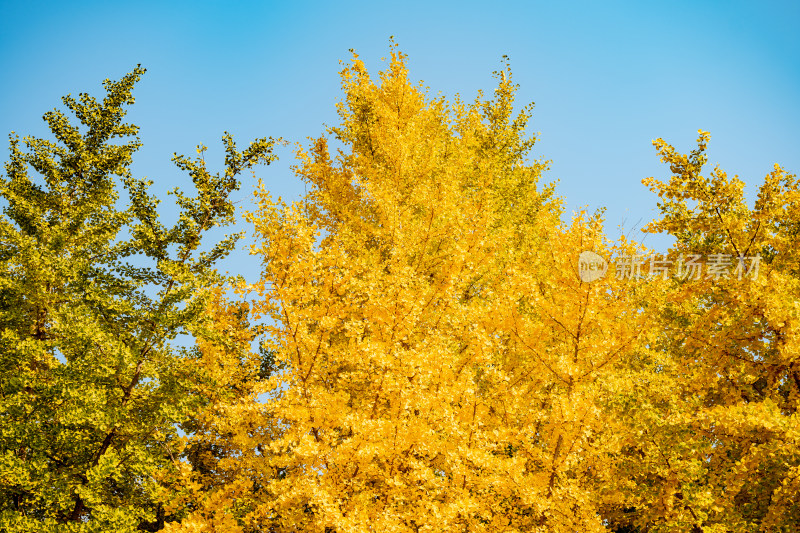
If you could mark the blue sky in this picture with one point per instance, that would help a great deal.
(606, 77)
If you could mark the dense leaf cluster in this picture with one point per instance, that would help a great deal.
(429, 358)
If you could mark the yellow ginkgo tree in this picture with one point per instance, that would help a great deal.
(445, 368)
(713, 440)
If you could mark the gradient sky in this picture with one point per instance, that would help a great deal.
(607, 78)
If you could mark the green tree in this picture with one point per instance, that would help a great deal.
(93, 382)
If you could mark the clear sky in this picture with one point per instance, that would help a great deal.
(606, 77)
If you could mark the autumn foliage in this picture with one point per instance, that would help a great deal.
(421, 353)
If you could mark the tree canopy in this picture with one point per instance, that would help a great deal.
(429, 355)
(94, 383)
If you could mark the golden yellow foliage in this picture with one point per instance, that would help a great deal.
(446, 368)
(438, 363)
